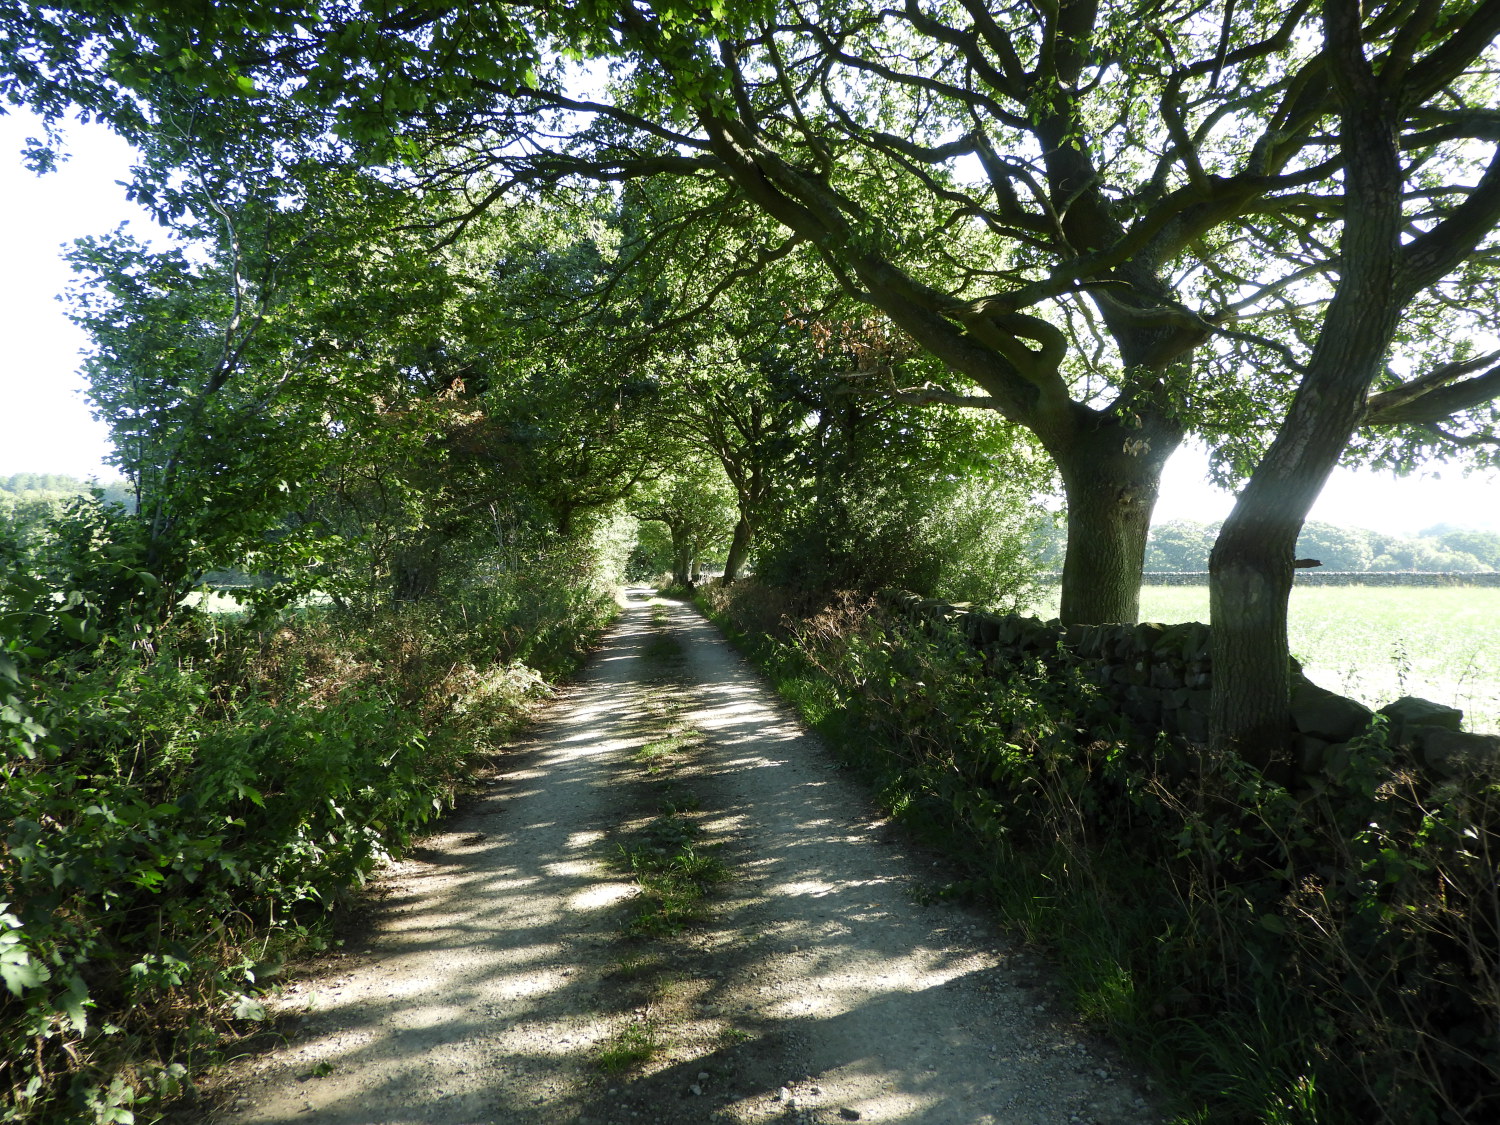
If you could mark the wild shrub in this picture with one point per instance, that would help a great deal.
(753, 608)
(148, 841)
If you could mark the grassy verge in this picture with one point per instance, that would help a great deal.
(1330, 956)
(675, 870)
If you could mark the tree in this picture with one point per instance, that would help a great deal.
(194, 387)
(827, 175)
(695, 505)
(1180, 545)
(1111, 222)
(1400, 246)
(1395, 552)
(1067, 205)
(315, 369)
(752, 431)
(245, 371)
(731, 387)
(885, 493)
(1484, 546)
(1336, 548)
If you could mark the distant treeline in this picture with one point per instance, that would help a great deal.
(23, 487)
(1182, 546)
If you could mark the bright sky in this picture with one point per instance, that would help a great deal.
(45, 423)
(1380, 501)
(46, 427)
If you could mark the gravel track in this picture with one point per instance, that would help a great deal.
(819, 988)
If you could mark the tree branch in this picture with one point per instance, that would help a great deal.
(1453, 55)
(925, 395)
(1427, 259)
(1436, 395)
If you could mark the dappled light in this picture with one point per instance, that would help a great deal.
(491, 983)
(858, 327)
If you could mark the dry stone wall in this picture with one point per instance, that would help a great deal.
(1160, 676)
(1312, 577)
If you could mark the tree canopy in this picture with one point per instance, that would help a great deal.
(1112, 222)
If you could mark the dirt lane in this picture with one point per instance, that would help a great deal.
(818, 989)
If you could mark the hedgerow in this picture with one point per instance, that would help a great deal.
(184, 805)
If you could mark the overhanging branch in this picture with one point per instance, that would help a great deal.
(1437, 395)
(881, 382)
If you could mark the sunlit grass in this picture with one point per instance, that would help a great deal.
(631, 1046)
(674, 874)
(224, 602)
(214, 601)
(657, 752)
(1375, 643)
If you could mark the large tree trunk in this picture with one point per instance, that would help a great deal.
(739, 550)
(1250, 570)
(683, 557)
(1250, 582)
(1110, 494)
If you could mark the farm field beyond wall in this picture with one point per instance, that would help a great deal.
(1375, 643)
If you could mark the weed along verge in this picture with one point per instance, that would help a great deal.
(674, 867)
(672, 908)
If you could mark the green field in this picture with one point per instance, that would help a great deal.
(1375, 643)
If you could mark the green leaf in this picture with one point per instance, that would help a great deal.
(249, 1008)
(21, 972)
(75, 1003)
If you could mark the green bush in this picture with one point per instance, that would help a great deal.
(184, 803)
(147, 840)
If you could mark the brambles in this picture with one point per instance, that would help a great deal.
(181, 816)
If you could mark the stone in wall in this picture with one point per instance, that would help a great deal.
(1457, 754)
(1410, 713)
(1324, 714)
